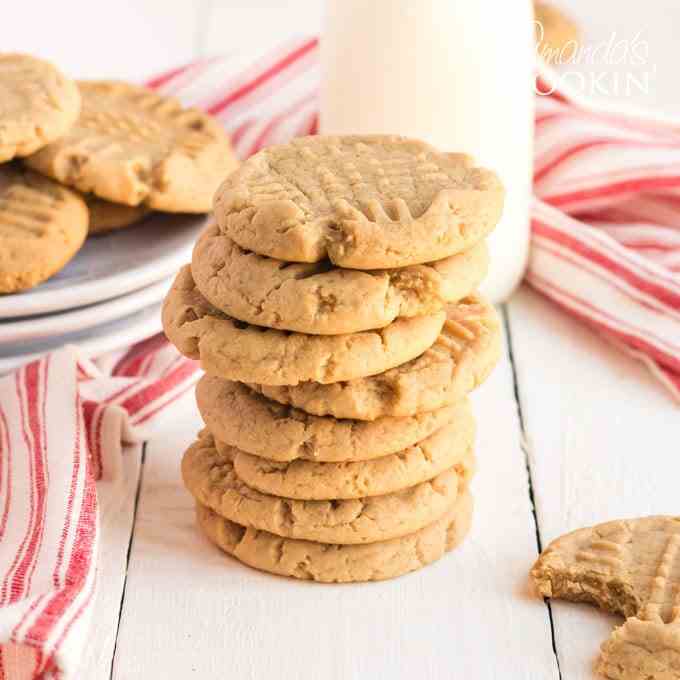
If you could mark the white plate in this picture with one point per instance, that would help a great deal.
(91, 342)
(112, 265)
(43, 327)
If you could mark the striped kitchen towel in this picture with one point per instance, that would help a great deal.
(605, 247)
(63, 422)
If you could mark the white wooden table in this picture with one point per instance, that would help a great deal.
(571, 433)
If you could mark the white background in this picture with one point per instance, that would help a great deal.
(564, 415)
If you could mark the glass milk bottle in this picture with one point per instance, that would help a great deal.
(456, 73)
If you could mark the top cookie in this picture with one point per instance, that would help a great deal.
(133, 146)
(42, 226)
(364, 202)
(37, 104)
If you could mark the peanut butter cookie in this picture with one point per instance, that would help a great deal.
(237, 415)
(328, 563)
(461, 358)
(321, 299)
(449, 447)
(235, 350)
(628, 567)
(210, 477)
(42, 226)
(363, 202)
(133, 146)
(38, 104)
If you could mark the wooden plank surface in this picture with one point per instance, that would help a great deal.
(603, 440)
(191, 611)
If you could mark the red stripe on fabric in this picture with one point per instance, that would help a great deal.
(609, 243)
(542, 118)
(97, 454)
(290, 58)
(77, 572)
(41, 432)
(645, 245)
(79, 612)
(128, 363)
(576, 149)
(544, 89)
(71, 497)
(167, 76)
(628, 338)
(308, 126)
(85, 371)
(124, 361)
(266, 96)
(24, 571)
(635, 173)
(581, 262)
(32, 493)
(618, 280)
(6, 447)
(157, 389)
(625, 271)
(176, 87)
(241, 130)
(258, 143)
(626, 186)
(160, 407)
(119, 393)
(567, 109)
(277, 120)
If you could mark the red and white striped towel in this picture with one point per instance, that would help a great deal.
(605, 246)
(63, 421)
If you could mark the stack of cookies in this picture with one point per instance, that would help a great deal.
(127, 149)
(332, 304)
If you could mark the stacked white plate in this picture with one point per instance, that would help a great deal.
(106, 298)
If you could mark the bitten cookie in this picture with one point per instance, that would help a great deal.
(42, 226)
(322, 299)
(449, 447)
(133, 146)
(37, 105)
(236, 350)
(237, 415)
(619, 566)
(628, 567)
(328, 563)
(210, 477)
(363, 202)
(462, 357)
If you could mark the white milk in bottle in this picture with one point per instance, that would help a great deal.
(456, 73)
